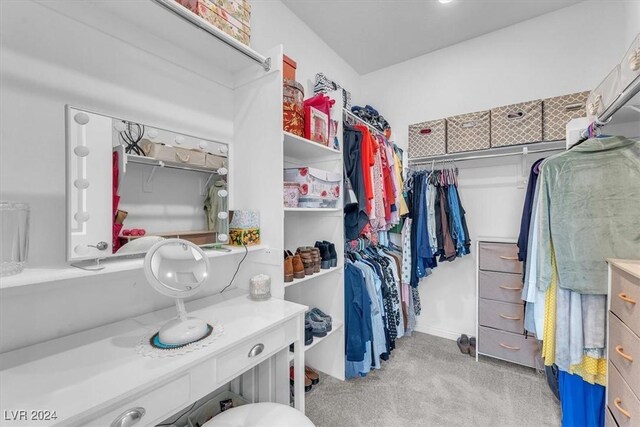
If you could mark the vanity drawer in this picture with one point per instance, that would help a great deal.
(501, 315)
(508, 346)
(625, 298)
(625, 345)
(505, 287)
(500, 257)
(251, 352)
(157, 404)
(624, 405)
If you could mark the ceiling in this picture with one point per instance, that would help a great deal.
(374, 34)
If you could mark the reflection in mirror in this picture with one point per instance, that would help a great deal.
(129, 182)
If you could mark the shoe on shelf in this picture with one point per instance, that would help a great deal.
(463, 343)
(318, 326)
(332, 253)
(321, 314)
(312, 375)
(307, 382)
(314, 317)
(325, 256)
(298, 266)
(307, 260)
(317, 259)
(288, 268)
(472, 346)
(308, 333)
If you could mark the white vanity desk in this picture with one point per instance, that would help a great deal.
(90, 378)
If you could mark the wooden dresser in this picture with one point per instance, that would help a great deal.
(500, 309)
(623, 381)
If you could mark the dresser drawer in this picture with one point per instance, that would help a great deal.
(501, 315)
(156, 405)
(624, 405)
(505, 287)
(625, 345)
(251, 352)
(508, 346)
(625, 298)
(500, 257)
(608, 420)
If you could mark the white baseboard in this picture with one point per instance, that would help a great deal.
(442, 333)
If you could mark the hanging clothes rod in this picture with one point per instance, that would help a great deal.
(459, 158)
(374, 129)
(184, 13)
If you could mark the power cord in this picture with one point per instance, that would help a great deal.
(180, 416)
(246, 252)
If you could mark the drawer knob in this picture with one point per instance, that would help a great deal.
(623, 411)
(508, 347)
(256, 350)
(504, 316)
(129, 417)
(625, 298)
(509, 258)
(511, 288)
(621, 352)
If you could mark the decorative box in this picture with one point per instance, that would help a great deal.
(244, 219)
(560, 110)
(516, 124)
(427, 139)
(468, 132)
(219, 19)
(291, 194)
(630, 65)
(289, 68)
(244, 236)
(603, 96)
(292, 105)
(316, 125)
(241, 10)
(315, 182)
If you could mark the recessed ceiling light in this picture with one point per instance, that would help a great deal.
(445, 1)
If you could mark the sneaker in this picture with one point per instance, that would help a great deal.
(318, 326)
(313, 317)
(322, 315)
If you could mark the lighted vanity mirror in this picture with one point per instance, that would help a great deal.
(130, 185)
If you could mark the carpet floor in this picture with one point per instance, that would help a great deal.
(428, 382)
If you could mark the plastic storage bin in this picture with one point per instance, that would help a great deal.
(211, 408)
(469, 132)
(427, 139)
(516, 124)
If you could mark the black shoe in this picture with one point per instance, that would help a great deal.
(325, 257)
(308, 333)
(332, 253)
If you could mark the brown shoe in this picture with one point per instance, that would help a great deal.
(307, 260)
(288, 268)
(312, 375)
(298, 267)
(317, 260)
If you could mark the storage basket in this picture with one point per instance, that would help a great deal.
(516, 124)
(427, 139)
(215, 162)
(630, 65)
(315, 182)
(603, 96)
(293, 107)
(560, 110)
(174, 155)
(198, 417)
(468, 132)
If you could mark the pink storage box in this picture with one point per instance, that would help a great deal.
(315, 182)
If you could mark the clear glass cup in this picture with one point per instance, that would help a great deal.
(14, 237)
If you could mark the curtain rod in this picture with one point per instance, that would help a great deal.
(455, 158)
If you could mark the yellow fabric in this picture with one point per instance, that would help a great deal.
(403, 209)
(592, 370)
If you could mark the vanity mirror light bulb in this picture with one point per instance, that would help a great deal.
(222, 171)
(223, 193)
(203, 144)
(81, 151)
(120, 126)
(152, 133)
(179, 139)
(81, 183)
(82, 216)
(223, 150)
(81, 249)
(81, 118)
(223, 215)
(223, 237)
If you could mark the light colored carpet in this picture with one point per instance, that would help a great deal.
(428, 382)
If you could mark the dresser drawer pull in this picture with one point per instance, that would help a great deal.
(511, 288)
(129, 417)
(623, 411)
(621, 352)
(504, 316)
(625, 298)
(256, 350)
(508, 347)
(509, 258)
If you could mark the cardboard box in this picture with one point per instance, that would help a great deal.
(219, 19)
(241, 10)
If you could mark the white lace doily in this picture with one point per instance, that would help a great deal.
(145, 348)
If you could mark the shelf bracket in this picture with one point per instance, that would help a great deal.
(525, 175)
(147, 182)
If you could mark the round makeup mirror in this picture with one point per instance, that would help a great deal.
(179, 269)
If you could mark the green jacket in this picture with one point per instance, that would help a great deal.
(590, 209)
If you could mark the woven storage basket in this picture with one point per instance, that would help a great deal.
(468, 132)
(560, 110)
(427, 139)
(516, 124)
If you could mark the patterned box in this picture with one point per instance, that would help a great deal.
(208, 11)
(516, 124)
(244, 219)
(315, 182)
(560, 110)
(427, 139)
(244, 236)
(469, 132)
(241, 10)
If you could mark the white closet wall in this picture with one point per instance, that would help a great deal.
(566, 51)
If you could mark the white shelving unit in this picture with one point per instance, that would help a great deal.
(305, 226)
(337, 328)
